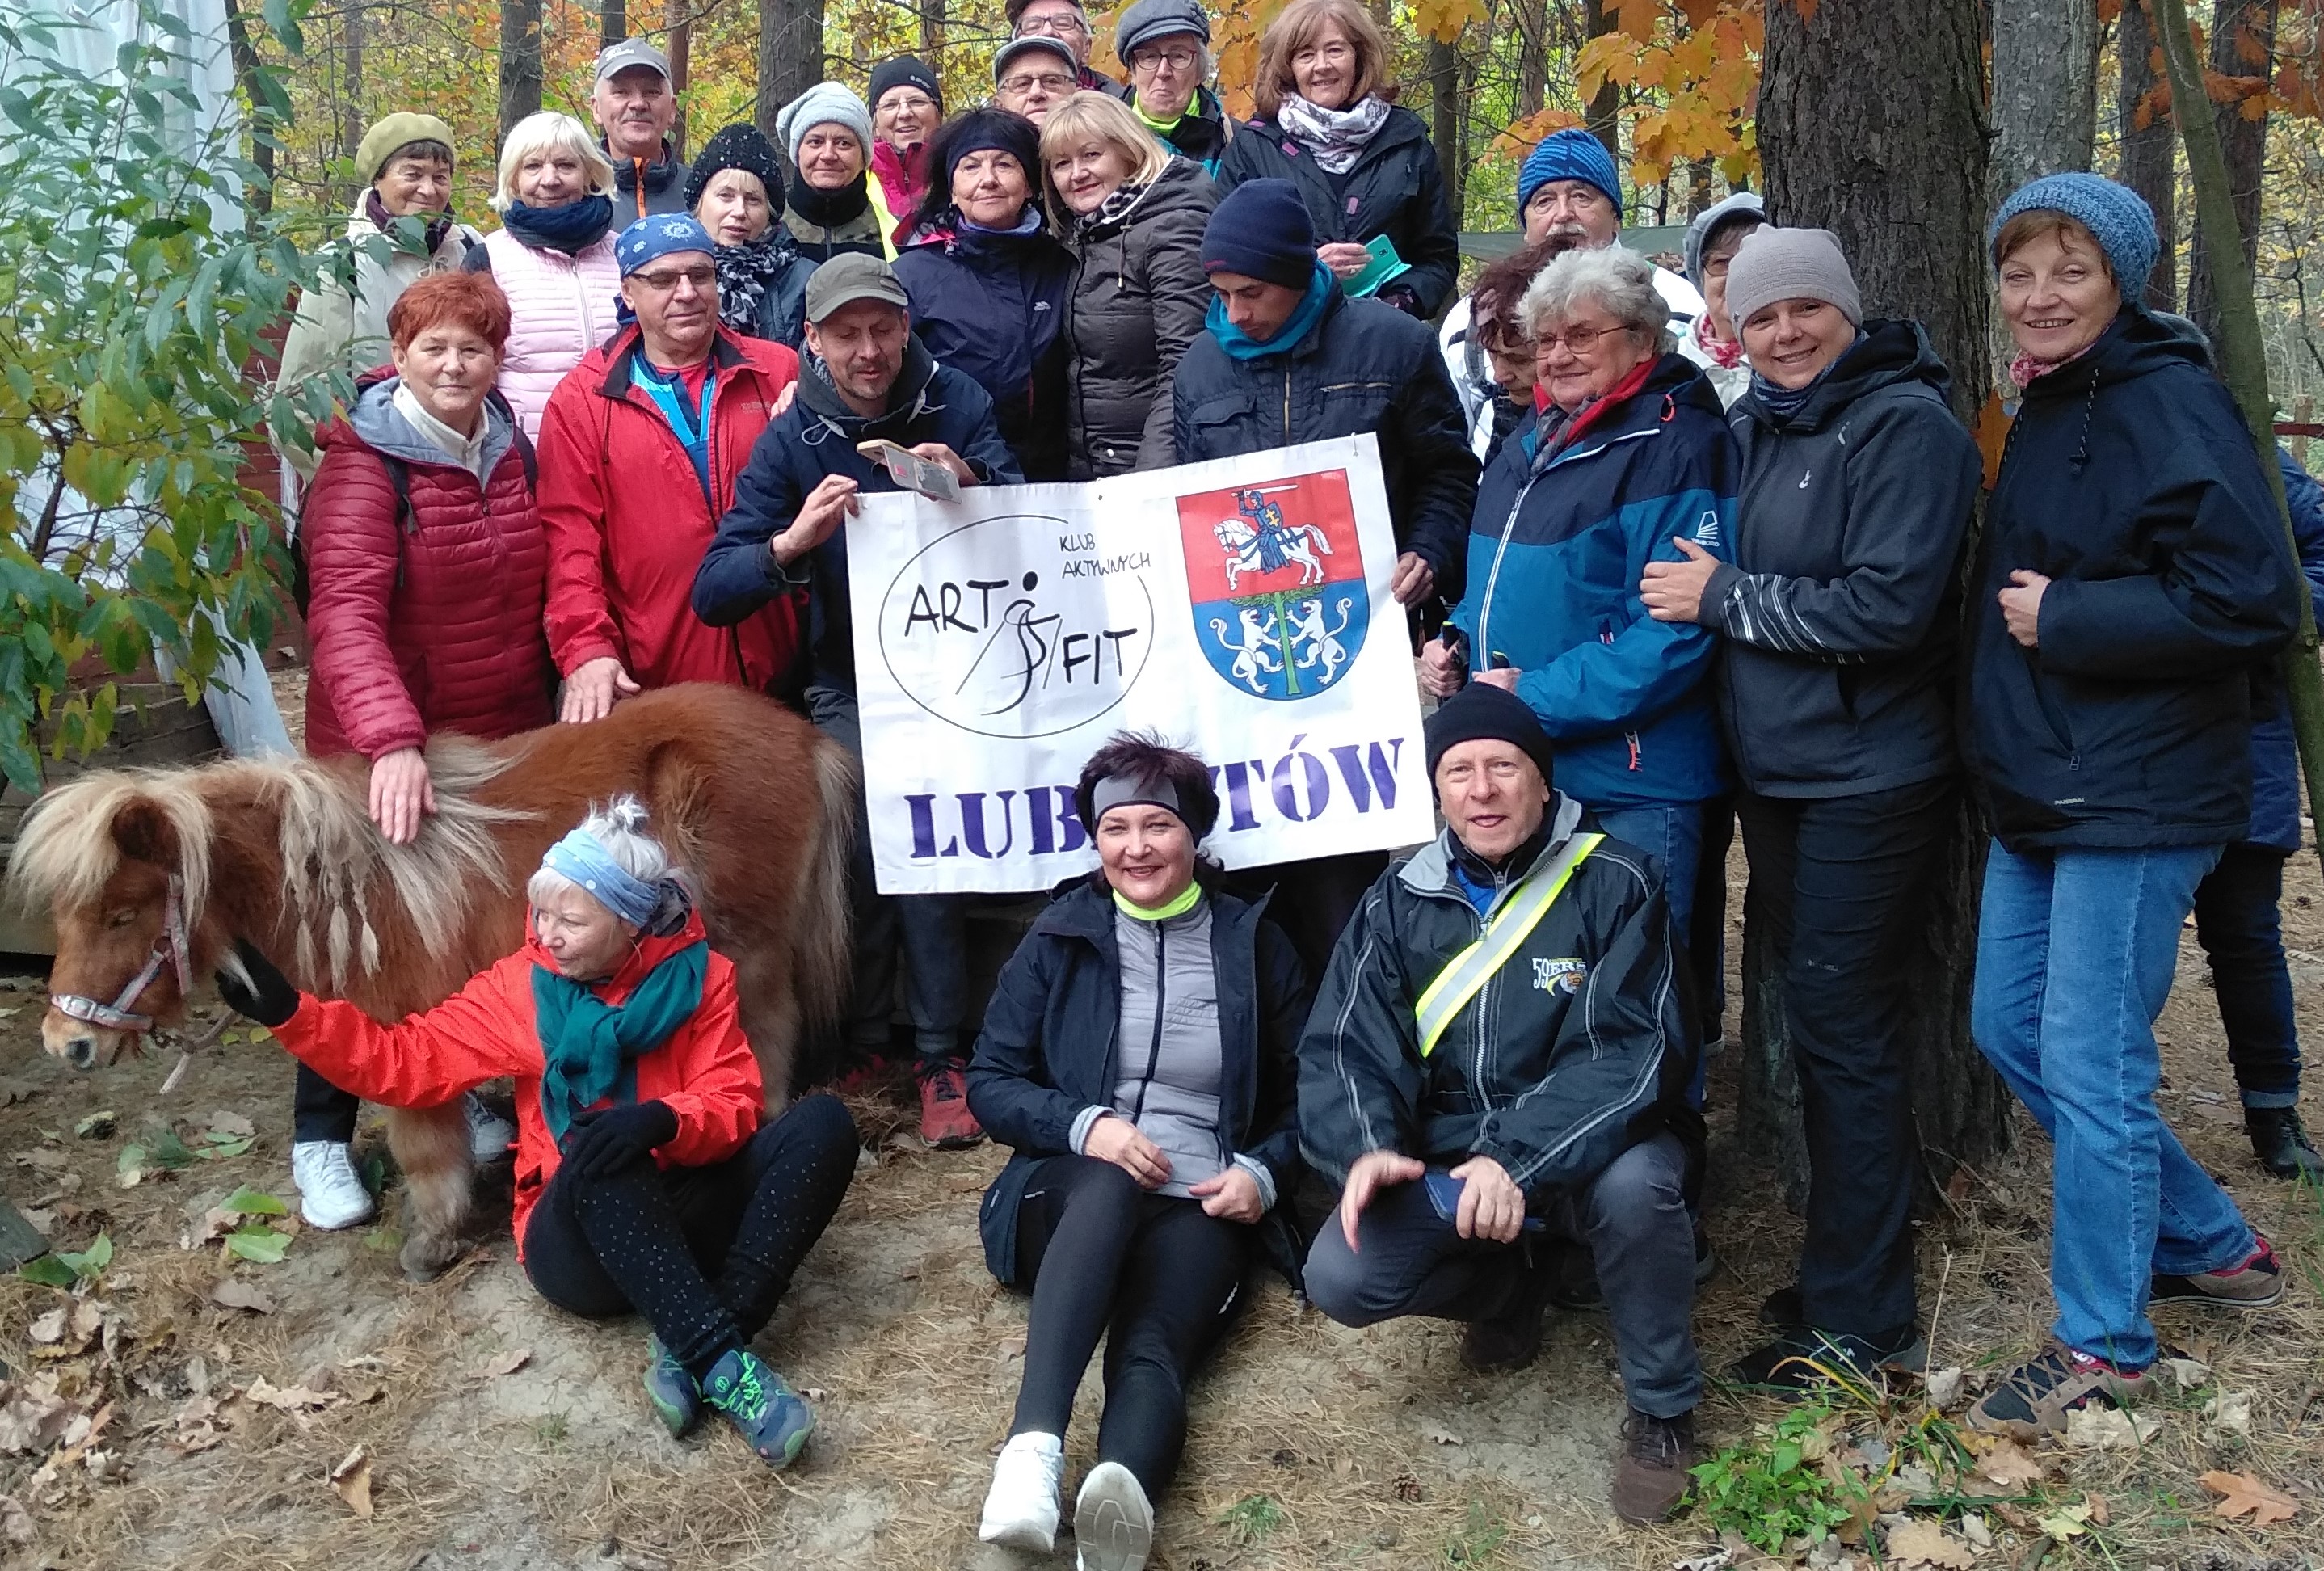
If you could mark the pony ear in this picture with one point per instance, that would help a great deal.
(144, 834)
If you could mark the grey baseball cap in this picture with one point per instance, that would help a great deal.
(848, 277)
(628, 52)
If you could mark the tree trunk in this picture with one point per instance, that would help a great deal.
(1900, 85)
(612, 21)
(351, 114)
(2243, 33)
(2149, 156)
(932, 30)
(790, 56)
(677, 16)
(1533, 56)
(260, 198)
(1603, 114)
(519, 62)
(1444, 122)
(2045, 81)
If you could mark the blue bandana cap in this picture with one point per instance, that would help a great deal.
(2117, 217)
(1568, 155)
(582, 858)
(658, 235)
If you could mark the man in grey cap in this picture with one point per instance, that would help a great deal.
(1067, 22)
(1032, 75)
(1166, 46)
(634, 107)
(865, 378)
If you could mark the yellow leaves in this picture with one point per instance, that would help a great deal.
(1920, 1543)
(1705, 74)
(1519, 138)
(1992, 435)
(2242, 1495)
(1637, 18)
(1443, 20)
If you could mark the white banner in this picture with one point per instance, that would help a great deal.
(1240, 607)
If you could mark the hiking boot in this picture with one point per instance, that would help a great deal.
(2282, 1144)
(2253, 1284)
(489, 1134)
(676, 1400)
(1784, 1308)
(771, 1417)
(331, 1193)
(1020, 1508)
(1650, 1476)
(946, 1121)
(1804, 1360)
(2034, 1399)
(1113, 1521)
(1512, 1339)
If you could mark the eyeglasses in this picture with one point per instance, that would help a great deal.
(1577, 340)
(1053, 25)
(906, 102)
(1049, 81)
(1147, 61)
(1330, 54)
(1716, 267)
(662, 283)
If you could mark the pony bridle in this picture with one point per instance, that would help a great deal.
(169, 949)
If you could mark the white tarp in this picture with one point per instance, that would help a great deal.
(1241, 608)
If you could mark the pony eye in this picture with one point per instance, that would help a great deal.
(121, 918)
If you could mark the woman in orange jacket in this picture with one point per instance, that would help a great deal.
(645, 1181)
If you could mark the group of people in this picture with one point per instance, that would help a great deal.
(1677, 552)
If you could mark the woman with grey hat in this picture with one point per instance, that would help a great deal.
(734, 192)
(1835, 688)
(343, 326)
(835, 205)
(1714, 338)
(1166, 46)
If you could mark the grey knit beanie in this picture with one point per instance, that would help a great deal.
(1773, 264)
(823, 103)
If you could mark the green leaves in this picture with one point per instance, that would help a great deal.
(1768, 1491)
(62, 1268)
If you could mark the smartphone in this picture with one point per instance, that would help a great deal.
(913, 473)
(1445, 1198)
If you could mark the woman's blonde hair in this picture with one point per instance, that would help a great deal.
(1102, 117)
(1304, 21)
(544, 131)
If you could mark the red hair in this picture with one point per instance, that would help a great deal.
(462, 300)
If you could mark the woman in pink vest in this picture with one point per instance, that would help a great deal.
(553, 257)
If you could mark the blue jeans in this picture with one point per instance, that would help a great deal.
(2075, 952)
(1673, 836)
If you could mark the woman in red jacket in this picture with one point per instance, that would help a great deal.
(427, 570)
(644, 1178)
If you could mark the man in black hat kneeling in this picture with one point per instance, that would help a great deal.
(1497, 1063)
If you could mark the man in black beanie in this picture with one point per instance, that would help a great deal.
(1496, 1064)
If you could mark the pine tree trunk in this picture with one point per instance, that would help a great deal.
(790, 56)
(1603, 113)
(932, 31)
(2243, 33)
(351, 89)
(1899, 84)
(677, 17)
(2045, 81)
(2149, 155)
(520, 61)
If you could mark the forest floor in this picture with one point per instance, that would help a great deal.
(471, 1426)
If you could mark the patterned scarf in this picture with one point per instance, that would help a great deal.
(2025, 368)
(1114, 210)
(1337, 137)
(1725, 353)
(746, 272)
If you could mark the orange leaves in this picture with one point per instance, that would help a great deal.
(1443, 20)
(1992, 435)
(1519, 138)
(2240, 1494)
(1638, 19)
(1701, 64)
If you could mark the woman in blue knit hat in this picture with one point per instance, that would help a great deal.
(2135, 579)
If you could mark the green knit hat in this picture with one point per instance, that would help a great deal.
(379, 144)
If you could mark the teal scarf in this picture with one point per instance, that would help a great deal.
(589, 1049)
(1241, 346)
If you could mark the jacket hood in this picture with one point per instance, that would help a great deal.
(1890, 352)
(376, 423)
(1698, 234)
(1429, 870)
(2135, 344)
(1179, 186)
(907, 401)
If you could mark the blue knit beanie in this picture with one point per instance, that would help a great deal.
(1261, 229)
(2116, 215)
(1568, 155)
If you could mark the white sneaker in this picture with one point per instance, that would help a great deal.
(1113, 1521)
(331, 1193)
(1020, 1509)
(489, 1134)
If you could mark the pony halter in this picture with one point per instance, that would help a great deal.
(168, 947)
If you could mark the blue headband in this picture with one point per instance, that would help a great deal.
(658, 235)
(583, 858)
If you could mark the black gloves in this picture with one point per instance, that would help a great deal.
(600, 1143)
(270, 999)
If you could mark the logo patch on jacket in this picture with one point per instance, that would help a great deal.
(1564, 976)
(1706, 532)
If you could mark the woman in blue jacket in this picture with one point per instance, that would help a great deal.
(2134, 581)
(1139, 1053)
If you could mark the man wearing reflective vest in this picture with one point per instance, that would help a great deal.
(1496, 1067)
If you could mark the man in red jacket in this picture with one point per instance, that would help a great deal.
(640, 448)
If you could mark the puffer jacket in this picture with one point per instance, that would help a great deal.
(704, 1071)
(428, 620)
(627, 520)
(995, 306)
(1841, 606)
(1363, 366)
(1138, 300)
(1576, 1049)
(2130, 482)
(1050, 1050)
(560, 307)
(1564, 532)
(1394, 188)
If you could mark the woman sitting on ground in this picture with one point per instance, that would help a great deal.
(645, 1181)
(1141, 1178)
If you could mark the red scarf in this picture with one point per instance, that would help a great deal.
(1592, 413)
(1725, 353)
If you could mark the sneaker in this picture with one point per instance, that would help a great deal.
(676, 1400)
(2034, 1399)
(331, 1193)
(771, 1417)
(946, 1121)
(1804, 1360)
(1113, 1521)
(1512, 1339)
(489, 1134)
(2254, 1284)
(1020, 1508)
(1650, 1476)
(2282, 1143)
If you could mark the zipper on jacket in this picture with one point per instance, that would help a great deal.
(1154, 1047)
(1481, 657)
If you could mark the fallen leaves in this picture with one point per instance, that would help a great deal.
(232, 1294)
(2228, 1413)
(2109, 1430)
(2244, 1495)
(506, 1364)
(288, 1399)
(1922, 1542)
(1437, 1434)
(351, 1480)
(2005, 1462)
(32, 1416)
(1945, 1387)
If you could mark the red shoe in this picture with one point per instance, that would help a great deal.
(946, 1121)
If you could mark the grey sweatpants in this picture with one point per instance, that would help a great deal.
(1634, 1219)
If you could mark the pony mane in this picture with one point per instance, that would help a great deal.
(64, 852)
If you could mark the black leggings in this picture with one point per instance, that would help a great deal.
(646, 1238)
(321, 1111)
(1153, 1273)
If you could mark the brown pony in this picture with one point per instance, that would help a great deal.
(151, 875)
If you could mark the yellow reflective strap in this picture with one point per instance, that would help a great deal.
(1466, 974)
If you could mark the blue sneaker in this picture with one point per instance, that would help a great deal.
(774, 1419)
(676, 1400)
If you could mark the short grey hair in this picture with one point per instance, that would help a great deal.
(620, 827)
(539, 133)
(1613, 277)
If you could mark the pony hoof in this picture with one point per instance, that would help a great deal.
(425, 1257)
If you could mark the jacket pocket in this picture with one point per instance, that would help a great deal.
(1224, 425)
(1346, 408)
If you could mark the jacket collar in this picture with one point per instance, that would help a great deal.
(649, 951)
(1429, 870)
(726, 352)
(1086, 910)
(907, 401)
(1673, 383)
